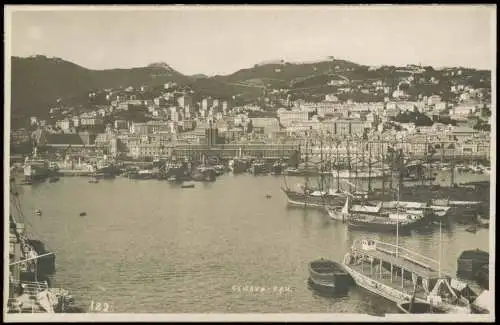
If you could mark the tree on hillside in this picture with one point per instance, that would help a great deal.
(415, 117)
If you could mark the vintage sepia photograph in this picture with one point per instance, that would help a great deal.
(249, 163)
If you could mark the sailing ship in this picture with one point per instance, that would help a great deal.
(308, 196)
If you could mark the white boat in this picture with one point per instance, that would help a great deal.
(340, 214)
(417, 207)
(399, 274)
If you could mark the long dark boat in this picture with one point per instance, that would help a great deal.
(313, 198)
(401, 221)
(328, 276)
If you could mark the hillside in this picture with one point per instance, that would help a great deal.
(37, 82)
(285, 73)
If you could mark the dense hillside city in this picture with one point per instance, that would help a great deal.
(139, 112)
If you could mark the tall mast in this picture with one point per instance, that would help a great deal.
(391, 156)
(369, 167)
(306, 185)
(382, 159)
(322, 177)
(397, 224)
(337, 165)
(356, 168)
(440, 249)
(349, 165)
(452, 178)
(402, 164)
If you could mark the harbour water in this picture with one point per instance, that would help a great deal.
(150, 246)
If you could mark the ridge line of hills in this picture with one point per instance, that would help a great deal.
(37, 82)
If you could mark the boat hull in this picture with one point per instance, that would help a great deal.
(355, 224)
(419, 308)
(328, 277)
(301, 199)
(377, 288)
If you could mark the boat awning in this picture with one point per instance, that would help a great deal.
(401, 262)
(365, 208)
(404, 204)
(318, 193)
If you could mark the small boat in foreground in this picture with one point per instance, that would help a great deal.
(38, 212)
(83, 214)
(94, 181)
(329, 276)
(187, 186)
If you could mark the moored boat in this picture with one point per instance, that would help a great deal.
(276, 168)
(258, 168)
(314, 198)
(328, 276)
(204, 174)
(392, 222)
(409, 276)
(238, 165)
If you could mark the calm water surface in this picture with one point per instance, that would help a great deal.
(150, 246)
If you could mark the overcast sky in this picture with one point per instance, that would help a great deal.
(222, 40)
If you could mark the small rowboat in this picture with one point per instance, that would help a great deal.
(328, 276)
(187, 185)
